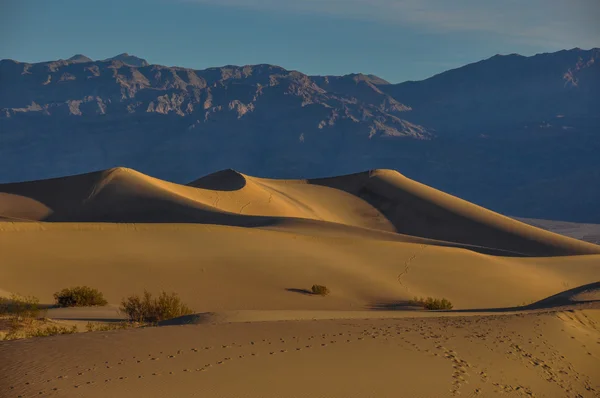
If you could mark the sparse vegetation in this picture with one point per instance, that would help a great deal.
(320, 290)
(79, 296)
(146, 309)
(22, 306)
(20, 316)
(104, 327)
(51, 330)
(20, 313)
(431, 303)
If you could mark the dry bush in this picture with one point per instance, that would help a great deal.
(431, 303)
(51, 330)
(79, 296)
(146, 309)
(22, 315)
(21, 307)
(320, 290)
(104, 327)
(20, 311)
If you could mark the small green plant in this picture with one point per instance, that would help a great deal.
(146, 309)
(320, 290)
(79, 296)
(431, 303)
(51, 330)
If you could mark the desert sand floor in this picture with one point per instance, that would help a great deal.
(242, 252)
(543, 354)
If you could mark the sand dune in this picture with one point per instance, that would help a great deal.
(589, 293)
(264, 238)
(241, 251)
(376, 200)
(217, 267)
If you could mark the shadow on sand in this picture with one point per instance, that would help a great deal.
(560, 300)
(300, 291)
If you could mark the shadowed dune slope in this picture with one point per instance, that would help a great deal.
(370, 204)
(582, 294)
(418, 210)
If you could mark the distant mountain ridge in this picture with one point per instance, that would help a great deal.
(541, 87)
(80, 58)
(519, 135)
(129, 60)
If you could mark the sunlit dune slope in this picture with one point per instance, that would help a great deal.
(379, 200)
(218, 268)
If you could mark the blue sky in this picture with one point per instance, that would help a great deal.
(395, 39)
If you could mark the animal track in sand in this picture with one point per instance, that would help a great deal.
(418, 337)
(382, 333)
(179, 353)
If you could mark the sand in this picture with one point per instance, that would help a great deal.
(242, 252)
(542, 355)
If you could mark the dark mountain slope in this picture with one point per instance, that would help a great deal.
(519, 135)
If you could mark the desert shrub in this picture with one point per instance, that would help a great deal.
(20, 314)
(51, 330)
(20, 308)
(147, 309)
(79, 296)
(320, 290)
(103, 327)
(431, 303)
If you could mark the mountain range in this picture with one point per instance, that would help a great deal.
(519, 135)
